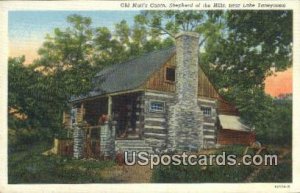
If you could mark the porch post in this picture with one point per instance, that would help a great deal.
(109, 106)
(107, 133)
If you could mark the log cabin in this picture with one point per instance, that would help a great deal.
(156, 102)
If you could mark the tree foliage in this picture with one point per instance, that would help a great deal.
(168, 23)
(255, 43)
(29, 95)
(31, 115)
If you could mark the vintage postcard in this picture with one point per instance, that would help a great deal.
(131, 96)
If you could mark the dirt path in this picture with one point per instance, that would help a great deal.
(133, 174)
(128, 174)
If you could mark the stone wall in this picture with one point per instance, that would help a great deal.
(78, 147)
(107, 139)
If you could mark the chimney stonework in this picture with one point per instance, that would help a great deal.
(185, 117)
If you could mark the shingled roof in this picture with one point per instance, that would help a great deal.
(128, 75)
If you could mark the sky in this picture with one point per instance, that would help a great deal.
(27, 30)
(280, 82)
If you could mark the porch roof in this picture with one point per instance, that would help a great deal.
(233, 122)
(127, 75)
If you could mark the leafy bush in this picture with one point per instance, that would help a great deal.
(237, 150)
(277, 127)
(63, 134)
(17, 138)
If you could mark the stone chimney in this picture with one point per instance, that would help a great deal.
(185, 116)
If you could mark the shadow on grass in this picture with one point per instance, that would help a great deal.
(30, 166)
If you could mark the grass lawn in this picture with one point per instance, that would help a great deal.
(228, 174)
(30, 166)
(194, 174)
(280, 173)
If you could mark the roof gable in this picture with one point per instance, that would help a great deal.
(128, 75)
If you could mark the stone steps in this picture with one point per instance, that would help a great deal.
(155, 135)
(133, 146)
(130, 142)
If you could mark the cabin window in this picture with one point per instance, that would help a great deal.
(206, 111)
(170, 74)
(157, 106)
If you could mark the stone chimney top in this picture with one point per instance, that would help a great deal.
(187, 33)
(187, 50)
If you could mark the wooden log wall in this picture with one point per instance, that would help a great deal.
(158, 82)
(226, 108)
(156, 127)
(228, 137)
(206, 89)
(155, 123)
(209, 125)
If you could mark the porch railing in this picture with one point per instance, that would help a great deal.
(91, 143)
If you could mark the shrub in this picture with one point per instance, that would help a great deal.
(277, 127)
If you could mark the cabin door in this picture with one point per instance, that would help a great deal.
(126, 118)
(92, 143)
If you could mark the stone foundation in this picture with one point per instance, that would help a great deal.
(107, 140)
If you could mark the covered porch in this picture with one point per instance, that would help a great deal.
(122, 110)
(98, 122)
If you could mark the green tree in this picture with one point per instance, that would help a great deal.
(125, 42)
(30, 104)
(66, 59)
(41, 90)
(255, 42)
(168, 23)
